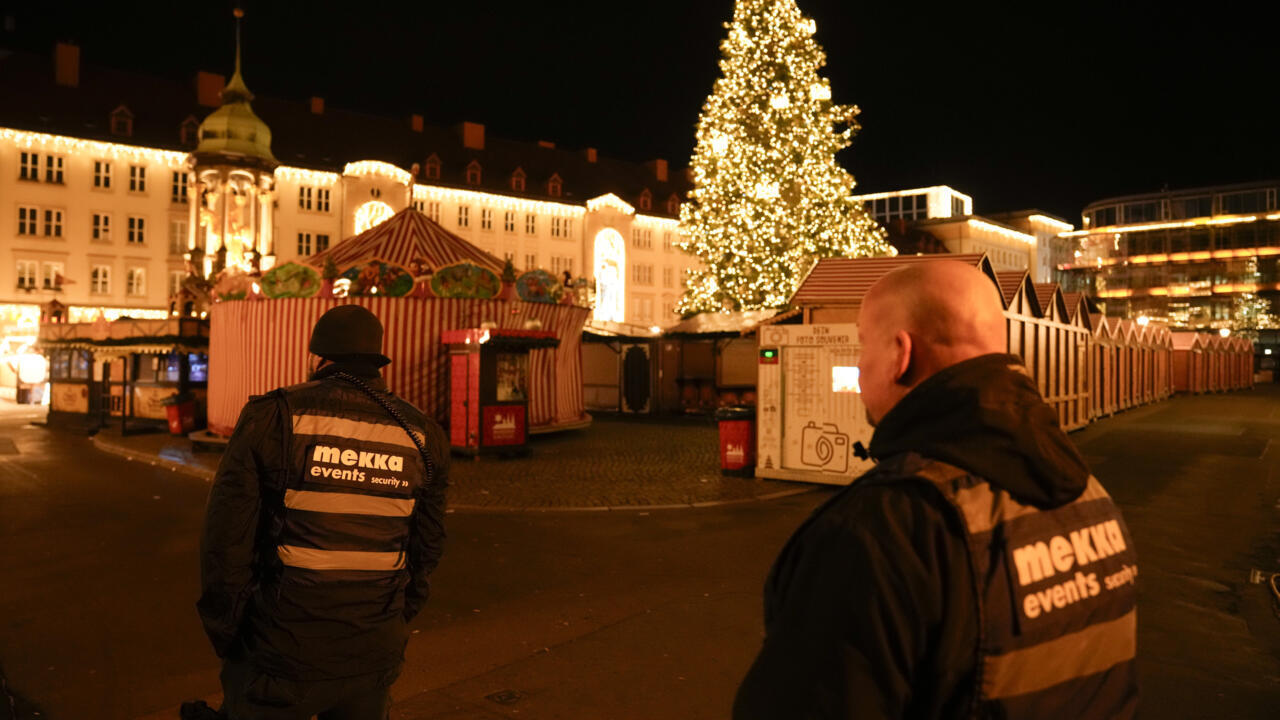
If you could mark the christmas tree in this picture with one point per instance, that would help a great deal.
(769, 198)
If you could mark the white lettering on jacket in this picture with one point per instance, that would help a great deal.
(352, 458)
(1039, 560)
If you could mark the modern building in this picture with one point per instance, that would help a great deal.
(1203, 258)
(110, 181)
(941, 219)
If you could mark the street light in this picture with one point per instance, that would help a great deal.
(1143, 320)
(1225, 332)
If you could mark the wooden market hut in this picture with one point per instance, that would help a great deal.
(124, 369)
(1188, 365)
(1077, 407)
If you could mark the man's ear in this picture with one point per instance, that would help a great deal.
(902, 355)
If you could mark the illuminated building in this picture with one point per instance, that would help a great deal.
(1204, 258)
(941, 219)
(112, 180)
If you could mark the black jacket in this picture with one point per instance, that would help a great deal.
(241, 604)
(869, 609)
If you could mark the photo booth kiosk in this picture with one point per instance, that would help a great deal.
(489, 387)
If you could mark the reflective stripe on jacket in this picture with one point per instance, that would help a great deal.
(1055, 592)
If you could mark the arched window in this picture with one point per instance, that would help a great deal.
(673, 204)
(646, 200)
(122, 122)
(555, 185)
(187, 131)
(473, 173)
(610, 259)
(431, 168)
(517, 180)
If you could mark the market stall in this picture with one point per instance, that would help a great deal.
(127, 369)
(420, 280)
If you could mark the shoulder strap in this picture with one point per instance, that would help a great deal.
(395, 415)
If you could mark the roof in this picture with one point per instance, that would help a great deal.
(1044, 294)
(1010, 281)
(1072, 301)
(30, 100)
(404, 238)
(844, 281)
(715, 323)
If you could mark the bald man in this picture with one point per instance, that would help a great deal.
(978, 570)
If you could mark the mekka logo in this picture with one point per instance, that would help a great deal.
(336, 465)
(1042, 560)
(354, 458)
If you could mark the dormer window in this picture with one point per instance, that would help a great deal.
(431, 169)
(122, 122)
(517, 180)
(673, 204)
(646, 200)
(473, 173)
(188, 130)
(555, 185)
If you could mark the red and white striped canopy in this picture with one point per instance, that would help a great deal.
(404, 237)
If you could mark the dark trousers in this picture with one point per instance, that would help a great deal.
(249, 694)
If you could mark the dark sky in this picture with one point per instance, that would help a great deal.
(1050, 107)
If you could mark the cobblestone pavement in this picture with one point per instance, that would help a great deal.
(617, 462)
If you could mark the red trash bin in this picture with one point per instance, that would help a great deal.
(180, 411)
(737, 440)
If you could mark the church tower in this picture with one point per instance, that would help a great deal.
(232, 184)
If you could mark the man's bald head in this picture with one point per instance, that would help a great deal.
(922, 318)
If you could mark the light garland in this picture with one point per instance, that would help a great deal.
(303, 176)
(501, 202)
(1205, 221)
(1003, 231)
(611, 201)
(1051, 222)
(377, 169)
(26, 140)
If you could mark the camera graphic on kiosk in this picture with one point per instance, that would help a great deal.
(824, 447)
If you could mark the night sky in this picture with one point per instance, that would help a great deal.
(1052, 107)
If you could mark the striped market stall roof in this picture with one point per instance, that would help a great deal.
(404, 238)
(844, 281)
(1010, 281)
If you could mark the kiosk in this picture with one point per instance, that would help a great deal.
(489, 387)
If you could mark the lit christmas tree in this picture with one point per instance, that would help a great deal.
(769, 198)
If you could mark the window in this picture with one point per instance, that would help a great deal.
(52, 223)
(187, 133)
(102, 174)
(561, 265)
(486, 218)
(29, 166)
(122, 122)
(668, 277)
(322, 199)
(957, 206)
(304, 198)
(137, 178)
(555, 185)
(304, 244)
(509, 221)
(137, 230)
(175, 281)
(177, 237)
(135, 282)
(432, 168)
(464, 216)
(517, 180)
(646, 200)
(100, 279)
(530, 261)
(568, 227)
(101, 227)
(322, 242)
(642, 239)
(509, 256)
(178, 194)
(642, 274)
(668, 307)
(53, 169)
(531, 224)
(27, 274)
(473, 173)
(555, 227)
(27, 220)
(673, 205)
(51, 275)
(433, 210)
(666, 241)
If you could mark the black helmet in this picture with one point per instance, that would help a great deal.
(349, 333)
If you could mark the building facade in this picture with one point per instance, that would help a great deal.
(1204, 258)
(111, 182)
(942, 219)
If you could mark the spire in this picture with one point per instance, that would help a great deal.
(236, 90)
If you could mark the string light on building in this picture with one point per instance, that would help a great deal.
(501, 202)
(303, 176)
(25, 140)
(377, 169)
(611, 201)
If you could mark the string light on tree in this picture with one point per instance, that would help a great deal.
(769, 198)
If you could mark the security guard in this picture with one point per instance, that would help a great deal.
(324, 524)
(979, 570)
